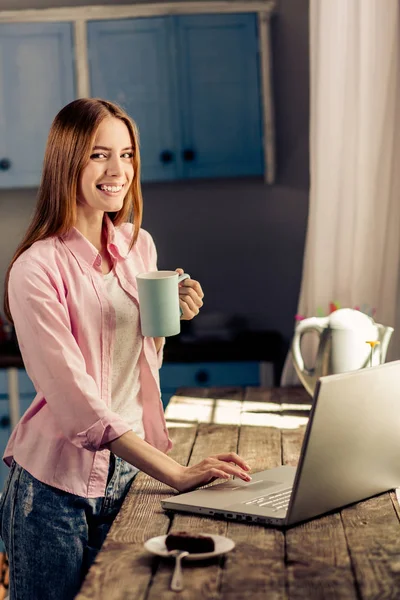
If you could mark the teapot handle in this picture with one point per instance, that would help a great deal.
(312, 324)
(385, 333)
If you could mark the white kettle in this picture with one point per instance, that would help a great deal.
(342, 345)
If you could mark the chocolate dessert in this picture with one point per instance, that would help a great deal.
(195, 544)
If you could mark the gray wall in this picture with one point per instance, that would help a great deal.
(243, 240)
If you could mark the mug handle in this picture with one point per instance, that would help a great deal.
(181, 278)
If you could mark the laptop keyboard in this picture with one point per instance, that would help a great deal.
(276, 501)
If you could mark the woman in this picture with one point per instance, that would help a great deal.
(97, 417)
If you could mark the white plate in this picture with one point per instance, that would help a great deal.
(222, 544)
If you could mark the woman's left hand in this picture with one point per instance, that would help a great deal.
(190, 297)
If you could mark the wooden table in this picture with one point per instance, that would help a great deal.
(351, 554)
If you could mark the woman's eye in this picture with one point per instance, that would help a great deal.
(127, 155)
(98, 155)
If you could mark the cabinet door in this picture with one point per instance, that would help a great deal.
(36, 81)
(131, 63)
(220, 95)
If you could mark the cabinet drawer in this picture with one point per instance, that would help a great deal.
(173, 375)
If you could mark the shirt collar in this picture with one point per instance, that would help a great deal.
(82, 249)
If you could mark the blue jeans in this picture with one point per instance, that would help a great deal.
(51, 536)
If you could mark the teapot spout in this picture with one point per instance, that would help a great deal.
(385, 333)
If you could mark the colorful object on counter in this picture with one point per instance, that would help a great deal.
(333, 306)
(372, 343)
(299, 317)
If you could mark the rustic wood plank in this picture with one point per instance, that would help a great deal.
(372, 533)
(217, 405)
(261, 394)
(275, 408)
(259, 552)
(202, 579)
(192, 392)
(226, 392)
(121, 571)
(292, 440)
(261, 447)
(188, 410)
(140, 518)
(317, 559)
(291, 395)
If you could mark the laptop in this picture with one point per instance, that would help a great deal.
(350, 452)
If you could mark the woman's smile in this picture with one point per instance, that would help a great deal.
(110, 190)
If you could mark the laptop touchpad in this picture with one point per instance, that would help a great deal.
(257, 485)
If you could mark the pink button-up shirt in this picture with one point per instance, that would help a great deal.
(65, 326)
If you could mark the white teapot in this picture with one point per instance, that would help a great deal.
(342, 345)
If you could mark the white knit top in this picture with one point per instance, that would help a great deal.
(125, 393)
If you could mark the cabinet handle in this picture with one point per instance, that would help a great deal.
(202, 376)
(189, 155)
(5, 164)
(166, 156)
(4, 422)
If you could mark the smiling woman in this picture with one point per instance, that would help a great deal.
(97, 417)
(109, 172)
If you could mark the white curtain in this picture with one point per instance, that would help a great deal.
(353, 237)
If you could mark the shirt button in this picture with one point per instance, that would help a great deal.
(97, 262)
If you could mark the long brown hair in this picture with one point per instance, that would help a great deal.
(68, 150)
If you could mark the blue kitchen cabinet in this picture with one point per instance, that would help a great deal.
(207, 374)
(36, 81)
(220, 98)
(191, 83)
(129, 63)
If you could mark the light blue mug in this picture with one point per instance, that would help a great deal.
(160, 314)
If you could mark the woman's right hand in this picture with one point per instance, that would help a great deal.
(214, 467)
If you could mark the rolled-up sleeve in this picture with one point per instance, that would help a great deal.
(54, 361)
